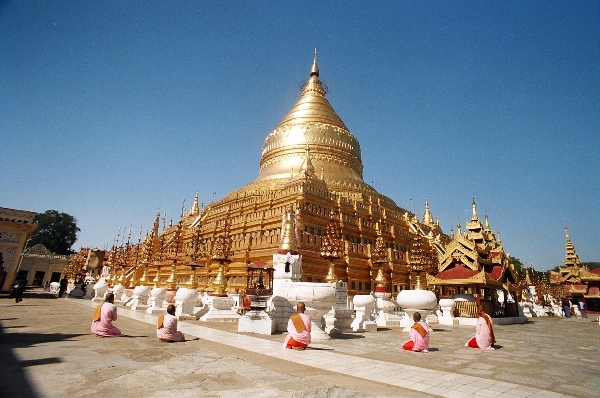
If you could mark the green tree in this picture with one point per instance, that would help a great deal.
(57, 231)
(517, 263)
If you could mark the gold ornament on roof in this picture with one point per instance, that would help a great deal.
(223, 255)
(379, 258)
(332, 247)
(174, 252)
(194, 252)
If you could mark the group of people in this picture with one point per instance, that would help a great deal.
(484, 338)
(568, 309)
(299, 328)
(106, 313)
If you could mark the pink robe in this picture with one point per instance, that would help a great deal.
(302, 337)
(419, 343)
(483, 337)
(168, 332)
(104, 326)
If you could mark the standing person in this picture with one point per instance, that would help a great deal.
(63, 286)
(19, 289)
(566, 306)
(484, 333)
(419, 336)
(298, 328)
(104, 316)
(582, 309)
(167, 326)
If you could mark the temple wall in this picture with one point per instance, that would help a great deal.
(16, 226)
(255, 219)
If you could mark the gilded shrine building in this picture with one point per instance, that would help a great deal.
(310, 165)
(577, 281)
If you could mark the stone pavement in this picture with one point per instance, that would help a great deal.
(47, 350)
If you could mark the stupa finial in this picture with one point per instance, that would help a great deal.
(475, 216)
(314, 71)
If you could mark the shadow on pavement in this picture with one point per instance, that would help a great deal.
(41, 361)
(14, 382)
(346, 336)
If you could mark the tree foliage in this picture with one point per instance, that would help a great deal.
(57, 231)
(517, 263)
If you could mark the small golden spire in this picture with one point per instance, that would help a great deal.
(427, 217)
(475, 216)
(195, 210)
(156, 223)
(288, 233)
(307, 168)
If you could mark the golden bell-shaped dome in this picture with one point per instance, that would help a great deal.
(313, 122)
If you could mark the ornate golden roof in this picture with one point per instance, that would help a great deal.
(312, 121)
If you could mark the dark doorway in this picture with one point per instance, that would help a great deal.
(55, 277)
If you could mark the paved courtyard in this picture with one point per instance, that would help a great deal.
(47, 350)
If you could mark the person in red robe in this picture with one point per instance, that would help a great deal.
(299, 327)
(104, 316)
(484, 333)
(419, 336)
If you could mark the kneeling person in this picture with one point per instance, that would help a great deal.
(167, 326)
(298, 328)
(104, 316)
(419, 336)
(484, 332)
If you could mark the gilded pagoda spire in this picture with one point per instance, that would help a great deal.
(288, 234)
(195, 210)
(307, 167)
(527, 277)
(475, 217)
(156, 224)
(571, 257)
(427, 216)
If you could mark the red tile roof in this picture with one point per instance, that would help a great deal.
(459, 271)
(496, 272)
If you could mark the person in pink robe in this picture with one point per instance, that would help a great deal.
(103, 318)
(484, 333)
(419, 336)
(167, 326)
(299, 327)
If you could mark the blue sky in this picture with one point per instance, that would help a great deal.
(111, 110)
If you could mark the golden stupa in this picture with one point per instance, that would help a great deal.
(310, 165)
